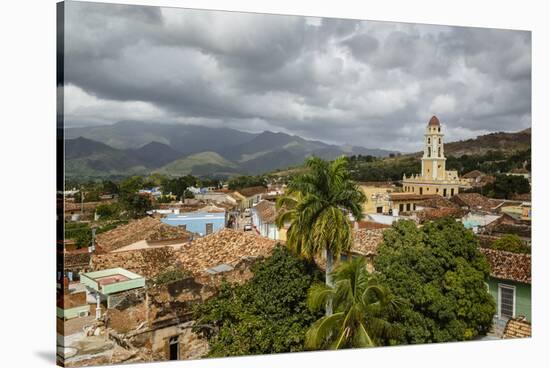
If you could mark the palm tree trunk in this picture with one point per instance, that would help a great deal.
(328, 278)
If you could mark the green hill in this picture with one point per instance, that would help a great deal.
(192, 163)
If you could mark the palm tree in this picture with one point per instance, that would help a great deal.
(317, 206)
(361, 310)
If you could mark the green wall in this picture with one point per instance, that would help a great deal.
(523, 295)
(72, 312)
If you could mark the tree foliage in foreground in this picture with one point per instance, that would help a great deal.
(363, 310)
(439, 272)
(268, 314)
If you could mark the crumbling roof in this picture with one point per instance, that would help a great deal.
(266, 211)
(226, 246)
(76, 260)
(438, 202)
(473, 174)
(517, 328)
(509, 266)
(366, 241)
(147, 262)
(147, 228)
(474, 201)
(394, 197)
(251, 191)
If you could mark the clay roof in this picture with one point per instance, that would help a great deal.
(522, 197)
(148, 262)
(434, 121)
(517, 327)
(371, 225)
(438, 202)
(473, 174)
(431, 214)
(266, 211)
(411, 197)
(366, 241)
(226, 246)
(251, 191)
(474, 201)
(77, 259)
(147, 228)
(508, 265)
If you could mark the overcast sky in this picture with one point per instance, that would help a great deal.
(373, 84)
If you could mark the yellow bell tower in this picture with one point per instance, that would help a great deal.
(433, 161)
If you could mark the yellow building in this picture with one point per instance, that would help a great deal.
(378, 196)
(433, 179)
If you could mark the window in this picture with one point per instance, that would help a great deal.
(209, 228)
(414, 206)
(408, 206)
(429, 140)
(174, 350)
(506, 301)
(420, 190)
(429, 152)
(439, 140)
(452, 192)
(401, 207)
(379, 209)
(438, 151)
(444, 192)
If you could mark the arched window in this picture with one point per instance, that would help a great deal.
(438, 151)
(429, 141)
(439, 140)
(429, 152)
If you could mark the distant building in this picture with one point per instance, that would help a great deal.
(433, 179)
(263, 218)
(248, 197)
(378, 196)
(201, 223)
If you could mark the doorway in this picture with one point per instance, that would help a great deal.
(174, 348)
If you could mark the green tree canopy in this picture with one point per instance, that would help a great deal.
(511, 243)
(268, 314)
(439, 272)
(362, 310)
(506, 186)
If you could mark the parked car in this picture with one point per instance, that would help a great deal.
(248, 227)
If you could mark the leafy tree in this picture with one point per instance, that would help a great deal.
(178, 186)
(246, 181)
(81, 233)
(439, 272)
(108, 211)
(137, 205)
(362, 310)
(506, 186)
(511, 243)
(268, 314)
(317, 208)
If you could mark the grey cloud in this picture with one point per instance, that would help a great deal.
(344, 81)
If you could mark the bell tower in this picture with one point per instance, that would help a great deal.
(433, 160)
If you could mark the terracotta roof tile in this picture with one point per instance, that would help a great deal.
(366, 241)
(474, 201)
(517, 328)
(251, 191)
(371, 225)
(266, 211)
(147, 228)
(226, 246)
(508, 265)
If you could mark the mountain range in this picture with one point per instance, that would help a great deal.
(132, 148)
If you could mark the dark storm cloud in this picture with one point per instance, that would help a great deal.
(345, 81)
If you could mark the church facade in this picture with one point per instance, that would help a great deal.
(434, 178)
